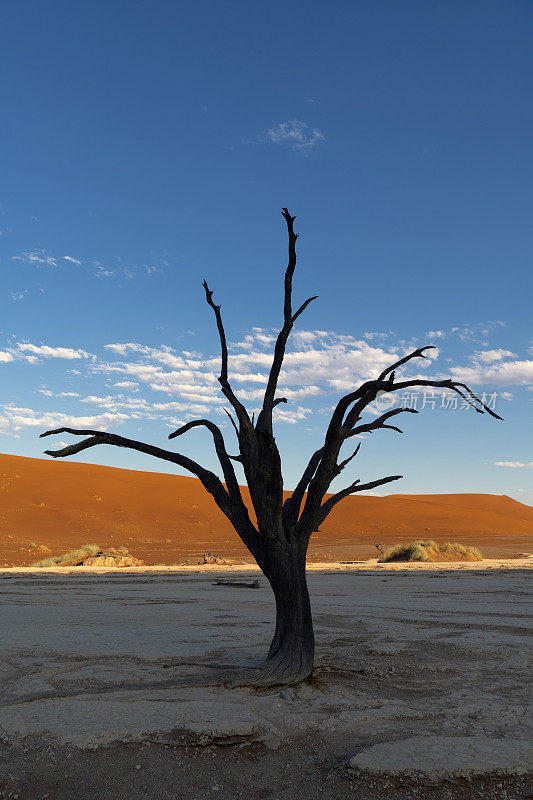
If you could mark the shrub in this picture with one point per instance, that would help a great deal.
(428, 550)
(69, 559)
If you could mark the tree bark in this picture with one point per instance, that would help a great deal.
(291, 654)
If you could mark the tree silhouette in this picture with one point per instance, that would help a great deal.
(279, 538)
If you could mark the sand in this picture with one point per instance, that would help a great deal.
(167, 519)
(103, 670)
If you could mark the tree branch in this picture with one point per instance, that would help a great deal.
(344, 419)
(209, 480)
(346, 461)
(302, 308)
(242, 414)
(291, 506)
(467, 395)
(356, 486)
(233, 421)
(418, 353)
(220, 447)
(379, 423)
(264, 420)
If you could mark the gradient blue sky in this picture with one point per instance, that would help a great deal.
(147, 145)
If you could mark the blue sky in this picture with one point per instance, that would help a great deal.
(146, 146)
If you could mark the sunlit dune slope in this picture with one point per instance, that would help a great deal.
(168, 519)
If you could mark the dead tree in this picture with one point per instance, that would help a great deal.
(279, 538)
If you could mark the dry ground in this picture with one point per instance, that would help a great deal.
(106, 683)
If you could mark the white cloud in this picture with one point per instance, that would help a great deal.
(303, 338)
(48, 393)
(20, 295)
(490, 356)
(321, 362)
(51, 352)
(127, 385)
(71, 259)
(514, 464)
(5, 357)
(295, 133)
(435, 334)
(13, 419)
(518, 373)
(126, 347)
(290, 416)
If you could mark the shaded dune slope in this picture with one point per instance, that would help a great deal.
(169, 518)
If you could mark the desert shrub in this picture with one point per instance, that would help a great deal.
(428, 550)
(462, 550)
(69, 559)
(414, 551)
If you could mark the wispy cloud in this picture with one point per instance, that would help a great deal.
(20, 295)
(37, 258)
(296, 134)
(42, 258)
(514, 464)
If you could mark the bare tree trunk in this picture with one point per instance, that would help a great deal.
(291, 654)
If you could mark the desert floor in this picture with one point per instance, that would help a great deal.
(107, 685)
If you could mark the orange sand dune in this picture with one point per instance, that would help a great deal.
(168, 518)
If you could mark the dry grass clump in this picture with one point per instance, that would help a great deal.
(69, 559)
(428, 550)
